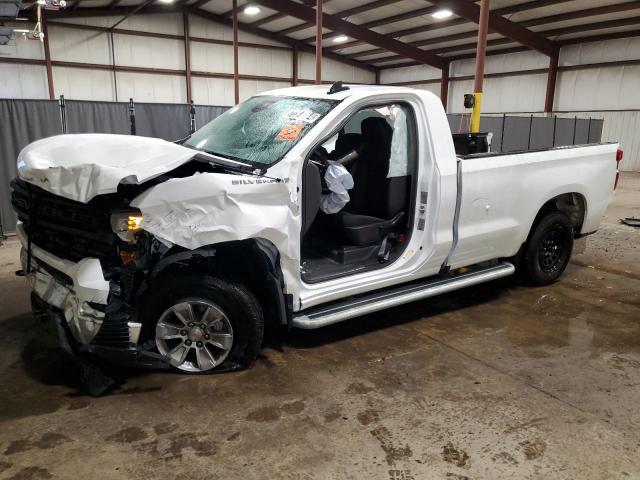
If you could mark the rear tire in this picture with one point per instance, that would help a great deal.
(548, 249)
(203, 324)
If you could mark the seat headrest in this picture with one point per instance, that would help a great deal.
(375, 130)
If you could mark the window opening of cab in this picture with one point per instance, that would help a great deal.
(262, 129)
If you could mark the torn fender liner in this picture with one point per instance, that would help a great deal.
(211, 208)
(79, 167)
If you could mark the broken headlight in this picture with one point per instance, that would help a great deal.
(126, 225)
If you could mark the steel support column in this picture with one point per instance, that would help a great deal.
(187, 56)
(444, 86)
(236, 77)
(318, 42)
(47, 57)
(294, 66)
(481, 51)
(551, 82)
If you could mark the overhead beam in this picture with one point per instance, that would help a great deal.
(365, 7)
(529, 23)
(470, 11)
(275, 37)
(308, 14)
(384, 21)
(449, 24)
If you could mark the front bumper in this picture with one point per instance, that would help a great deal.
(78, 291)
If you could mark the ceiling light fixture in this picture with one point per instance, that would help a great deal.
(442, 14)
(166, 1)
(340, 39)
(251, 10)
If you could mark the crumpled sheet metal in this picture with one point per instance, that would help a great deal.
(79, 167)
(210, 208)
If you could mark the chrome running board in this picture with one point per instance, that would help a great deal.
(324, 315)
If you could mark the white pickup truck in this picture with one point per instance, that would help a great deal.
(179, 254)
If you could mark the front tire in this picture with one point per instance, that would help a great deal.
(201, 323)
(548, 249)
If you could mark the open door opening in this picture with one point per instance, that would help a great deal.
(372, 160)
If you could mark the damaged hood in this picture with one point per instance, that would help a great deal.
(80, 167)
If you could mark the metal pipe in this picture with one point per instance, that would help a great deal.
(192, 118)
(236, 78)
(318, 42)
(132, 117)
(63, 114)
(481, 51)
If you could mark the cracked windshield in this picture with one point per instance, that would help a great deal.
(262, 129)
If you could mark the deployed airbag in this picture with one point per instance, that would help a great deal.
(339, 181)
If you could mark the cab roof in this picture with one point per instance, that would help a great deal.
(322, 91)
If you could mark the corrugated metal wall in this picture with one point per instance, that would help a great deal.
(85, 46)
(609, 93)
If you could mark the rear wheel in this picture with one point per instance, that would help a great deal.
(200, 324)
(548, 250)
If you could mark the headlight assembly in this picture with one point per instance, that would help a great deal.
(126, 225)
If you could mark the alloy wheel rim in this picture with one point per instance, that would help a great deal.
(552, 250)
(194, 335)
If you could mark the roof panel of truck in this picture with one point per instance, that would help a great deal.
(322, 91)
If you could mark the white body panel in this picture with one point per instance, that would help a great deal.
(501, 194)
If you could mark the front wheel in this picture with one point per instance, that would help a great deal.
(200, 323)
(548, 250)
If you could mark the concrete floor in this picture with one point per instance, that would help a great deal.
(491, 382)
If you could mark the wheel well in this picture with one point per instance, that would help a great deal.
(254, 263)
(572, 204)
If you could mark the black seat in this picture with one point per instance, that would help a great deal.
(345, 143)
(378, 203)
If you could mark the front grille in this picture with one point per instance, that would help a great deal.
(66, 228)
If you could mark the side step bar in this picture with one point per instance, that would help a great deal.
(324, 315)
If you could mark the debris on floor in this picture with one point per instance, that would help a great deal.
(631, 221)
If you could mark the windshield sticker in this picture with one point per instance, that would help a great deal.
(289, 132)
(302, 115)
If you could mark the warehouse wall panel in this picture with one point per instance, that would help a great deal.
(409, 74)
(521, 93)
(200, 27)
(148, 52)
(213, 91)
(614, 88)
(23, 81)
(83, 83)
(72, 45)
(248, 88)
(208, 57)
(149, 87)
(332, 70)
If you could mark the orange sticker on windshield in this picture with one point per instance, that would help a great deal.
(289, 132)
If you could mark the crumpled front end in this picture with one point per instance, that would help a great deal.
(80, 294)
